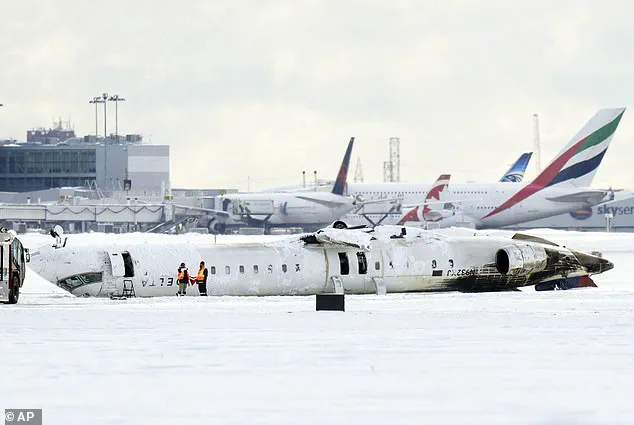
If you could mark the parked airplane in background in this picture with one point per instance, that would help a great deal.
(432, 207)
(359, 261)
(515, 174)
(309, 210)
(560, 188)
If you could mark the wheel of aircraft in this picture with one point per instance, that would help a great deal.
(339, 225)
(216, 227)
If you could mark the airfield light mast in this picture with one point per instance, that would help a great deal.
(538, 154)
(116, 99)
(104, 96)
(96, 100)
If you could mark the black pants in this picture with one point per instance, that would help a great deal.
(202, 288)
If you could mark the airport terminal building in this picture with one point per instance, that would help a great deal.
(107, 164)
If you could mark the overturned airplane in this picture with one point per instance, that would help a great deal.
(362, 261)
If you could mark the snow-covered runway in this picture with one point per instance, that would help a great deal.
(520, 357)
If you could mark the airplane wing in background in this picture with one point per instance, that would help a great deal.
(209, 211)
(327, 203)
(591, 197)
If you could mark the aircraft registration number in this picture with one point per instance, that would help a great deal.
(163, 281)
(461, 272)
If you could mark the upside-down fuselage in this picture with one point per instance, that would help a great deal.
(395, 258)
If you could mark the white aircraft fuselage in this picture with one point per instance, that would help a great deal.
(396, 258)
(476, 202)
(317, 209)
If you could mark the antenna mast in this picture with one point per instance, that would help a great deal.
(358, 172)
(392, 168)
(538, 153)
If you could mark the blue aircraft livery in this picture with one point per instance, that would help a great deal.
(515, 174)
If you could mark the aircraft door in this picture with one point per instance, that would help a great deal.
(350, 266)
(122, 283)
(116, 261)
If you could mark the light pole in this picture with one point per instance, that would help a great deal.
(116, 99)
(105, 116)
(96, 100)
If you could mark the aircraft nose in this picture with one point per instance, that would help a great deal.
(39, 258)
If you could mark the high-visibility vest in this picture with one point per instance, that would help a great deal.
(201, 274)
(181, 275)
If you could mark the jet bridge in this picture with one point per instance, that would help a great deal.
(382, 207)
(116, 213)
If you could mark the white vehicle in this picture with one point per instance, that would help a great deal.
(13, 259)
(361, 261)
(560, 188)
(309, 210)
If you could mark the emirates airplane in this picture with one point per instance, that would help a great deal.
(560, 188)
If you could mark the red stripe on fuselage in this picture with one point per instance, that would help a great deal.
(541, 181)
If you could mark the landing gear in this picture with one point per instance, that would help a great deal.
(339, 224)
(216, 227)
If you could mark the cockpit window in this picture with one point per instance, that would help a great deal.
(73, 282)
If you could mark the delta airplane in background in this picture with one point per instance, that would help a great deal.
(560, 188)
(358, 261)
(309, 210)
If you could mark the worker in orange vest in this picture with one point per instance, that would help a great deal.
(201, 279)
(183, 280)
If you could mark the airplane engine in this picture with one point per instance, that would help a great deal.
(520, 260)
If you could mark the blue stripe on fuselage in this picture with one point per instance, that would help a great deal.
(579, 169)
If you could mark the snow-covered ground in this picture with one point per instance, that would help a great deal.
(522, 357)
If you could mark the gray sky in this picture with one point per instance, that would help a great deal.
(268, 88)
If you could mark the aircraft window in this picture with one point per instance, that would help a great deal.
(92, 277)
(72, 282)
(76, 281)
(377, 265)
(363, 263)
(296, 267)
(270, 268)
(284, 268)
(212, 269)
(241, 269)
(344, 266)
(227, 269)
(127, 264)
(256, 269)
